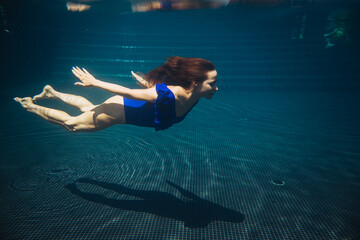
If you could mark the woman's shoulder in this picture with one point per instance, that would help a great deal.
(178, 91)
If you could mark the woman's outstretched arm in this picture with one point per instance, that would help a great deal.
(88, 80)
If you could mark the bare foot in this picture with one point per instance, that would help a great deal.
(26, 102)
(45, 94)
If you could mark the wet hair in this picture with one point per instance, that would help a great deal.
(180, 71)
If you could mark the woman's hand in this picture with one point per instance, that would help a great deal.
(141, 81)
(87, 80)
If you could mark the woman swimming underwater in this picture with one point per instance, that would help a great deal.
(171, 91)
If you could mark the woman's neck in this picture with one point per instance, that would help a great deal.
(191, 97)
(187, 100)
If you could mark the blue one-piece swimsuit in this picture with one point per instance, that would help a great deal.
(160, 115)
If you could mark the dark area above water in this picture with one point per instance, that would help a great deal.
(35, 31)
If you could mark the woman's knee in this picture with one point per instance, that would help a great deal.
(74, 124)
(81, 123)
(71, 126)
(87, 108)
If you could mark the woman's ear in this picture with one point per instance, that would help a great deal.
(192, 87)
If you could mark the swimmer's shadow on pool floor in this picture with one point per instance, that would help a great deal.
(195, 213)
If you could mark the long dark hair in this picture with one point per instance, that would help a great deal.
(180, 71)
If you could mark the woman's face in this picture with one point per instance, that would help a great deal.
(209, 87)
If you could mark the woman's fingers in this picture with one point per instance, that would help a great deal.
(80, 73)
(141, 82)
(76, 72)
(137, 76)
(86, 79)
(85, 71)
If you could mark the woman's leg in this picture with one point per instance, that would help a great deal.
(99, 117)
(76, 101)
(49, 114)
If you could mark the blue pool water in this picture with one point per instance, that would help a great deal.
(274, 155)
